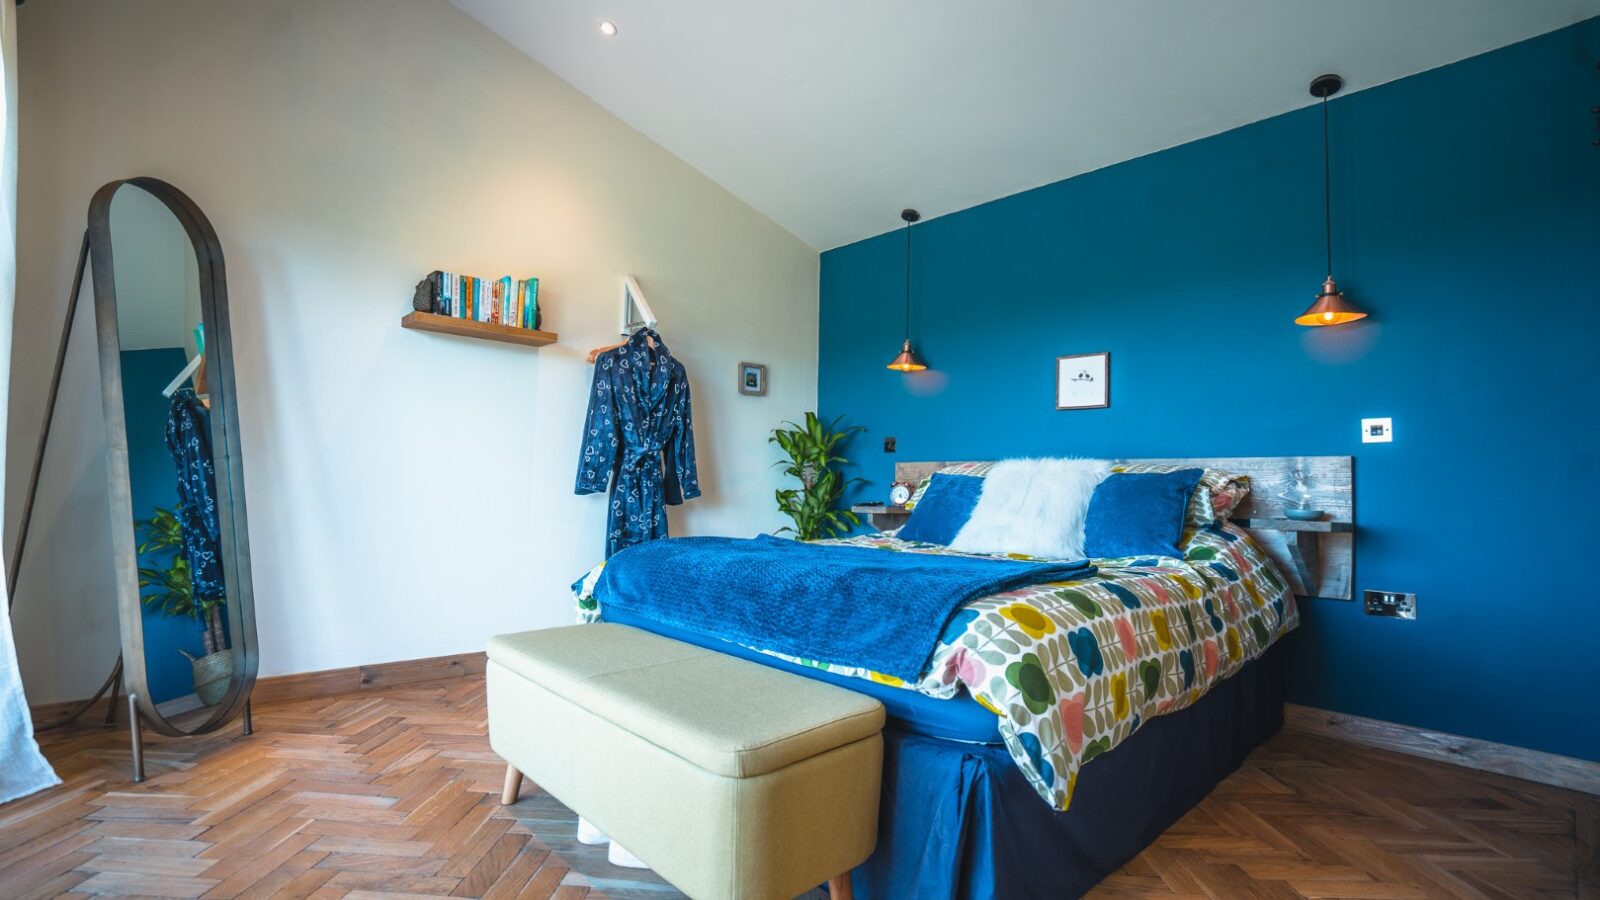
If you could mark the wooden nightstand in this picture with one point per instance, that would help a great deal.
(882, 516)
(1302, 538)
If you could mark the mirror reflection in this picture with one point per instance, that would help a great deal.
(172, 480)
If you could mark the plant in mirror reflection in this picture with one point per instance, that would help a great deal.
(173, 587)
(814, 505)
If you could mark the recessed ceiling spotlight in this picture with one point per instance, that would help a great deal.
(608, 28)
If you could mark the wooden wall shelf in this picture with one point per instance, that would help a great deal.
(1302, 538)
(506, 334)
(1319, 526)
(882, 516)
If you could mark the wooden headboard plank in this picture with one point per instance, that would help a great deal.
(1332, 483)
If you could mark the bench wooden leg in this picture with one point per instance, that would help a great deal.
(508, 794)
(839, 888)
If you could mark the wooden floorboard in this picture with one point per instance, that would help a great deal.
(394, 791)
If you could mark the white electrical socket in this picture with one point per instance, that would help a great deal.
(1392, 604)
(1377, 431)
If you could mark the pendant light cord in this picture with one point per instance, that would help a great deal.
(908, 281)
(1327, 187)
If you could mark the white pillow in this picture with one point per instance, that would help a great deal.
(1033, 506)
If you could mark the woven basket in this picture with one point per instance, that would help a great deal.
(211, 675)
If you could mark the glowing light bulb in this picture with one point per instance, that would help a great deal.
(1327, 317)
(608, 28)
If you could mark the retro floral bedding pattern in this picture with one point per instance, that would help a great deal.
(1073, 668)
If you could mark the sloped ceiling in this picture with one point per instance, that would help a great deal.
(830, 116)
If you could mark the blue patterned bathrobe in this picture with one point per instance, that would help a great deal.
(189, 442)
(640, 430)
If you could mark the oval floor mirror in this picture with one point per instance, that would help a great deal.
(179, 539)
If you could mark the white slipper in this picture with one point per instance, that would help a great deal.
(619, 856)
(588, 834)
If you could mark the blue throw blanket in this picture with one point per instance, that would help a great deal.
(852, 606)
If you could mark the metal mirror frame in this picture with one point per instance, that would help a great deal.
(225, 448)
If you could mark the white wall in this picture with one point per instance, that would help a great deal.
(409, 494)
(158, 280)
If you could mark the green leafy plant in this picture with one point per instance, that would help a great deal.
(174, 584)
(813, 506)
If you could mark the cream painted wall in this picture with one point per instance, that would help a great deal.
(409, 494)
(158, 280)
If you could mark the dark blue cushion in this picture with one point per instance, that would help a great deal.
(945, 507)
(1138, 514)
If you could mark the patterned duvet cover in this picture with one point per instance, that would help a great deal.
(1073, 668)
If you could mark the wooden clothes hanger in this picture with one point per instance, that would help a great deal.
(595, 353)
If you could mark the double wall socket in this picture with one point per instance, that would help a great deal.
(1391, 603)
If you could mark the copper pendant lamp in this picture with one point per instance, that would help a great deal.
(1330, 307)
(907, 360)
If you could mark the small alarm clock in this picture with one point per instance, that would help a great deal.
(900, 493)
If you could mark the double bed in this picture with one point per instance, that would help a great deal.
(1057, 728)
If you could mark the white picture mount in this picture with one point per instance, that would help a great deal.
(636, 311)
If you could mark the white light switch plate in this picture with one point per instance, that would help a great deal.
(1377, 431)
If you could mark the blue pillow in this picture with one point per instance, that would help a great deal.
(945, 507)
(1138, 514)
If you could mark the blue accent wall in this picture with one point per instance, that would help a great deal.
(154, 481)
(1466, 220)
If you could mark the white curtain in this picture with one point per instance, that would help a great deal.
(22, 769)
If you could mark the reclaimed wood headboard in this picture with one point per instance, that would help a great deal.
(1318, 557)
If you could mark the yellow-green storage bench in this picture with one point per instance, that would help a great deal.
(729, 778)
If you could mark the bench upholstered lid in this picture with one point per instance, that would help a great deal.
(726, 715)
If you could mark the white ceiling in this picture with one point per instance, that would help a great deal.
(829, 116)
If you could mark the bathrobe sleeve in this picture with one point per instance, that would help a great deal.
(601, 452)
(682, 479)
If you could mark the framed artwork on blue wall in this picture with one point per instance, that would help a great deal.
(1083, 381)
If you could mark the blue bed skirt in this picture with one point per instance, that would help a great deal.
(960, 821)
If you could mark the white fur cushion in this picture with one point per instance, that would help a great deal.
(1033, 506)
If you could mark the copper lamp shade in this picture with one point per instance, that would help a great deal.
(907, 361)
(1330, 308)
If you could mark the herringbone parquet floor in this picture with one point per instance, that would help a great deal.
(395, 793)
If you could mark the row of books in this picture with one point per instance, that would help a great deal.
(505, 301)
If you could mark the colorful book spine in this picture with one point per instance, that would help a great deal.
(502, 301)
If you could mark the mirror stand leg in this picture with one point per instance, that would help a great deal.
(136, 735)
(116, 689)
(248, 727)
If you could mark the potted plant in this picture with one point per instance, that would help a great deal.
(811, 458)
(174, 594)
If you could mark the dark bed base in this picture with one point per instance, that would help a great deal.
(960, 821)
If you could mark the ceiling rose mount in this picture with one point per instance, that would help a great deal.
(1325, 86)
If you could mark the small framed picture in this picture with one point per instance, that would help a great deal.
(1083, 381)
(752, 379)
